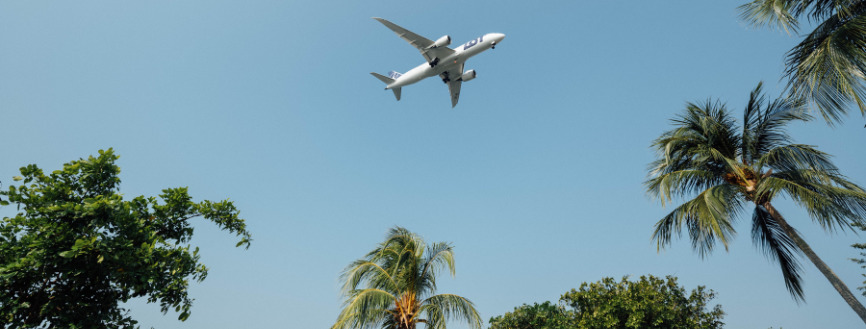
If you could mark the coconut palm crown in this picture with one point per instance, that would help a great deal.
(706, 156)
(828, 66)
(393, 287)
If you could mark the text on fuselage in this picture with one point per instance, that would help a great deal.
(472, 43)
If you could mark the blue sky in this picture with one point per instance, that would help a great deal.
(536, 176)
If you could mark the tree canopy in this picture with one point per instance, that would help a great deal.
(394, 287)
(650, 302)
(727, 168)
(76, 249)
(536, 316)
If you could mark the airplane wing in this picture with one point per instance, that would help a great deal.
(454, 88)
(421, 43)
(452, 78)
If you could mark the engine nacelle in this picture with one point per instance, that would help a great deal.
(468, 75)
(442, 42)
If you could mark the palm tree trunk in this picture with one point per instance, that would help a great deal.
(828, 273)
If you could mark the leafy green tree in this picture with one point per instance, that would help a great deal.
(648, 303)
(537, 316)
(393, 287)
(705, 155)
(76, 249)
(828, 66)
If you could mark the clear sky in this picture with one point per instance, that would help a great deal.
(536, 177)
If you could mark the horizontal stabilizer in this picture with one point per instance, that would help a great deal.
(388, 81)
(383, 78)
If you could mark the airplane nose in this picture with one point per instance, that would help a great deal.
(497, 38)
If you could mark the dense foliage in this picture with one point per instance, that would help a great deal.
(650, 303)
(537, 316)
(727, 168)
(828, 66)
(76, 249)
(394, 287)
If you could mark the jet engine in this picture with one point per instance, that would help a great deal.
(442, 42)
(468, 75)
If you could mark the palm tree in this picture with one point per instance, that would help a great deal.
(828, 66)
(393, 287)
(705, 155)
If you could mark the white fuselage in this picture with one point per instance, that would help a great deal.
(460, 55)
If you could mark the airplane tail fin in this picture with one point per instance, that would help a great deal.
(389, 80)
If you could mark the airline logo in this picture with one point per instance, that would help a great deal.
(394, 75)
(474, 42)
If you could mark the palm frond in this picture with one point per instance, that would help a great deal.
(828, 66)
(667, 185)
(369, 272)
(696, 154)
(390, 323)
(442, 307)
(398, 255)
(435, 319)
(365, 308)
(353, 320)
(783, 14)
(779, 247)
(751, 116)
(830, 199)
(765, 121)
(707, 217)
(793, 157)
(779, 14)
(439, 255)
(714, 124)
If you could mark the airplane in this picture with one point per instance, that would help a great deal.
(445, 62)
